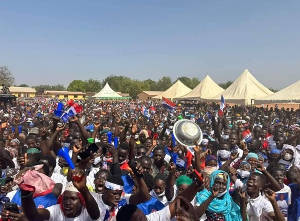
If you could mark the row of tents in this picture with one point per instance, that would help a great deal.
(246, 89)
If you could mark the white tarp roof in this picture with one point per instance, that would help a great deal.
(206, 89)
(107, 93)
(288, 94)
(176, 90)
(243, 89)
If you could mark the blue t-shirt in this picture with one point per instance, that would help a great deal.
(294, 208)
(40, 201)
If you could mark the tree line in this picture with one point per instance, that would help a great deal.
(117, 83)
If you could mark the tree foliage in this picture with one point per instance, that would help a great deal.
(6, 77)
(189, 82)
(163, 84)
(225, 85)
(40, 89)
(77, 85)
(23, 85)
(92, 85)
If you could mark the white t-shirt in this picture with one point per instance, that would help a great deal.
(162, 215)
(259, 208)
(58, 177)
(56, 214)
(104, 208)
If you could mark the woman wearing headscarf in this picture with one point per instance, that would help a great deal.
(216, 202)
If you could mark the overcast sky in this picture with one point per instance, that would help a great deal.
(57, 41)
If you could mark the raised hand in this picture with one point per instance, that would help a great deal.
(270, 194)
(214, 192)
(172, 167)
(79, 179)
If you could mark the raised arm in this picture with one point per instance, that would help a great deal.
(277, 214)
(91, 204)
(30, 210)
(170, 182)
(143, 195)
(83, 131)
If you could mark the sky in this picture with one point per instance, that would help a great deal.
(55, 42)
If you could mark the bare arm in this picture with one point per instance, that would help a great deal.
(30, 210)
(170, 182)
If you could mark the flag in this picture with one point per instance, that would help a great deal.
(168, 104)
(222, 104)
(145, 111)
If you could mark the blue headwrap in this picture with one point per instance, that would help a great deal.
(275, 151)
(223, 205)
(251, 155)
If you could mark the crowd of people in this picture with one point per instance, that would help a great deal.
(93, 160)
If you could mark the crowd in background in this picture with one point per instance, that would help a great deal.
(129, 167)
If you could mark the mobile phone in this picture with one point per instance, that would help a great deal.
(92, 147)
(12, 207)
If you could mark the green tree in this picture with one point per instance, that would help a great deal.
(195, 82)
(151, 83)
(191, 83)
(6, 76)
(118, 83)
(225, 85)
(93, 85)
(77, 85)
(135, 88)
(163, 84)
(58, 87)
(273, 90)
(23, 85)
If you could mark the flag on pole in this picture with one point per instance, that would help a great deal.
(222, 106)
(168, 104)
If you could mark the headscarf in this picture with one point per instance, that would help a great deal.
(69, 187)
(145, 132)
(251, 155)
(183, 180)
(223, 205)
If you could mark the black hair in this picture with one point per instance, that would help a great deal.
(123, 146)
(159, 147)
(125, 213)
(148, 178)
(144, 158)
(140, 147)
(161, 176)
(262, 178)
(45, 166)
(102, 171)
(30, 137)
(51, 160)
(276, 168)
(115, 179)
(291, 176)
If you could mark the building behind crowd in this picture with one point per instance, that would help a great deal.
(147, 95)
(65, 94)
(22, 92)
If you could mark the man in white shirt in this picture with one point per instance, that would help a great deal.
(76, 203)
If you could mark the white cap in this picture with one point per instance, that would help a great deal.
(70, 187)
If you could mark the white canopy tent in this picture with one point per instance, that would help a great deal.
(107, 93)
(288, 94)
(244, 89)
(206, 89)
(176, 90)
